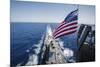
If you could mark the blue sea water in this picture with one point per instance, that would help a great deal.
(25, 35)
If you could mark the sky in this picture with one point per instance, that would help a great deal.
(22, 11)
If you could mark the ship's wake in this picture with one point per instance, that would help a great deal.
(37, 49)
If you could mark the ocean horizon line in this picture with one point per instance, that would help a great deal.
(46, 22)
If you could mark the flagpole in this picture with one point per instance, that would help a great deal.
(77, 23)
(78, 47)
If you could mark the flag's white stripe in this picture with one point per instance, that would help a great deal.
(65, 32)
(65, 29)
(66, 24)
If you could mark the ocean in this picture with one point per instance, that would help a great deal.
(24, 35)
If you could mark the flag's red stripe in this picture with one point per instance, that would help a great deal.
(65, 34)
(61, 24)
(64, 30)
(65, 26)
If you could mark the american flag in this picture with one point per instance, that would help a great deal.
(68, 26)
